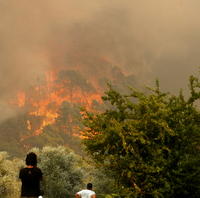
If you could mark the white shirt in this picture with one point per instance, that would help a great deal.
(86, 193)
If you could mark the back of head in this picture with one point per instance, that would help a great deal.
(31, 159)
(89, 186)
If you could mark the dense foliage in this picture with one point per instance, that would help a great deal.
(62, 174)
(150, 141)
(9, 183)
(103, 183)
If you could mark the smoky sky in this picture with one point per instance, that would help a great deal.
(148, 38)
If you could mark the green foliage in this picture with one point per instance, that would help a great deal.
(62, 175)
(149, 141)
(11, 130)
(103, 183)
(9, 183)
(69, 118)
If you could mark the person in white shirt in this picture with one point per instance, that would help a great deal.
(87, 193)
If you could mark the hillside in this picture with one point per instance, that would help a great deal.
(48, 112)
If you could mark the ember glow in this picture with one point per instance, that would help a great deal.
(21, 98)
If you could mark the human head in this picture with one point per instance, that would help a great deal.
(89, 186)
(31, 159)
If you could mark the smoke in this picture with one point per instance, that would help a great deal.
(150, 39)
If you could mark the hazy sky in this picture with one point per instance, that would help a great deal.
(149, 38)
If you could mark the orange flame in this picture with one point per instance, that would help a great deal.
(21, 98)
(45, 101)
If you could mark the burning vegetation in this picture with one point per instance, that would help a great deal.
(45, 100)
(50, 108)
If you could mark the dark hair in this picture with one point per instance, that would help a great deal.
(89, 186)
(31, 159)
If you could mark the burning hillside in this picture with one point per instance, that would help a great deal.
(78, 87)
(45, 100)
(50, 108)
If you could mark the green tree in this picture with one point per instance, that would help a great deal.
(103, 182)
(9, 182)
(69, 118)
(150, 141)
(62, 175)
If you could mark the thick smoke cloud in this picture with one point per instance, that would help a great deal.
(151, 39)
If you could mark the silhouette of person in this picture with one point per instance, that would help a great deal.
(30, 177)
(86, 193)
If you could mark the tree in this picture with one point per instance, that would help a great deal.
(103, 183)
(69, 118)
(12, 130)
(62, 175)
(150, 141)
(9, 170)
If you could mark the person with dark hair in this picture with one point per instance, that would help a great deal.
(86, 193)
(30, 177)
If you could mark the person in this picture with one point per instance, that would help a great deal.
(30, 177)
(86, 193)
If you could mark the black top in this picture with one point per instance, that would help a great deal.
(30, 178)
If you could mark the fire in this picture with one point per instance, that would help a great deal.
(29, 127)
(21, 98)
(45, 100)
